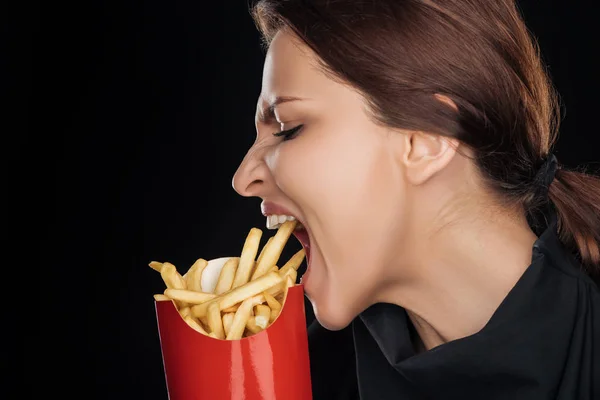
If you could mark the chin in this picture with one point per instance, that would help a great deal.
(332, 318)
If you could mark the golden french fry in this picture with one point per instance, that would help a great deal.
(173, 280)
(262, 252)
(184, 311)
(274, 315)
(171, 277)
(189, 296)
(252, 326)
(274, 268)
(290, 273)
(227, 320)
(213, 335)
(242, 275)
(241, 316)
(161, 297)
(204, 320)
(273, 250)
(155, 265)
(194, 324)
(227, 274)
(277, 289)
(271, 301)
(231, 309)
(289, 282)
(193, 276)
(262, 314)
(215, 323)
(294, 262)
(239, 294)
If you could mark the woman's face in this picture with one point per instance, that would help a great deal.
(338, 175)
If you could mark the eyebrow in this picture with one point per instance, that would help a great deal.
(267, 115)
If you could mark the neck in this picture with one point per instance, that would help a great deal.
(459, 278)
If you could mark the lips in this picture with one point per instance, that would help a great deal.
(268, 208)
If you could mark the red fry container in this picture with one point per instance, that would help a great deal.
(270, 365)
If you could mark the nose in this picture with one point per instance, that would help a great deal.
(251, 177)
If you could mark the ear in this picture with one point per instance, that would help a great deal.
(426, 154)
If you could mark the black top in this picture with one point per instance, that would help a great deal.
(543, 342)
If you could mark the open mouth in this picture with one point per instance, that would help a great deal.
(277, 215)
(300, 232)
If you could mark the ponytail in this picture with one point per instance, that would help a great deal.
(576, 198)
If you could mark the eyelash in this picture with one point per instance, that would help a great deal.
(288, 134)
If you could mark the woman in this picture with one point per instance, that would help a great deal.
(449, 256)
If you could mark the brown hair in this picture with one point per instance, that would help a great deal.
(400, 53)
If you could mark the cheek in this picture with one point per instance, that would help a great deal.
(329, 174)
(347, 190)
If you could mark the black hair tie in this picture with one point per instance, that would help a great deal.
(545, 175)
(542, 181)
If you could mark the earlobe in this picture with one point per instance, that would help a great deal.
(427, 154)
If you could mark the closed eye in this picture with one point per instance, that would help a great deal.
(288, 134)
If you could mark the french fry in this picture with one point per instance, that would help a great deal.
(155, 265)
(231, 309)
(239, 294)
(184, 311)
(242, 275)
(189, 296)
(171, 277)
(274, 268)
(252, 326)
(294, 262)
(262, 314)
(289, 282)
(227, 320)
(215, 322)
(279, 288)
(193, 276)
(274, 315)
(161, 297)
(290, 273)
(273, 250)
(241, 316)
(173, 280)
(271, 301)
(262, 252)
(227, 274)
(194, 324)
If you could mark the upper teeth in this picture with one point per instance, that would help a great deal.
(274, 221)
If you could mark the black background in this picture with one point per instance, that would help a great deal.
(126, 122)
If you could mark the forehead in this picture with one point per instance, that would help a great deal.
(291, 69)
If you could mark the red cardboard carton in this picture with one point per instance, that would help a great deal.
(270, 365)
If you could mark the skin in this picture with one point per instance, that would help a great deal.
(394, 216)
